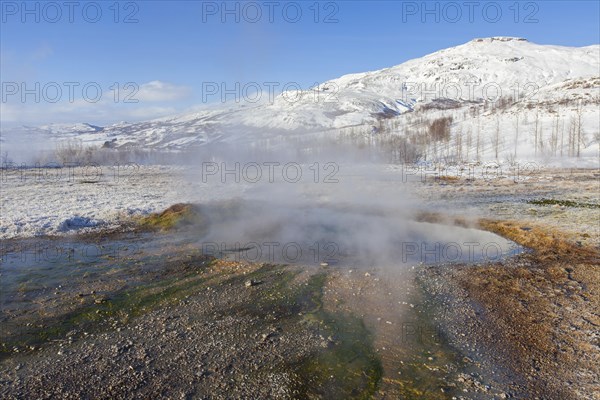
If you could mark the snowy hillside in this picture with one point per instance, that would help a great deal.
(536, 96)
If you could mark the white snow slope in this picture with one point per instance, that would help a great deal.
(557, 93)
(539, 77)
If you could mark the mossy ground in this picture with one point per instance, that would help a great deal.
(119, 307)
(562, 203)
(347, 367)
(176, 216)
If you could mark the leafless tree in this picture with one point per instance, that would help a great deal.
(458, 144)
(496, 138)
(572, 134)
(478, 140)
(554, 137)
(516, 132)
(535, 131)
(579, 130)
(469, 142)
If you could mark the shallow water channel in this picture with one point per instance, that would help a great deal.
(45, 283)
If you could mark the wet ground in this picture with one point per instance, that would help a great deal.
(159, 314)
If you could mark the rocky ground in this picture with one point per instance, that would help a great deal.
(239, 331)
(532, 320)
(525, 327)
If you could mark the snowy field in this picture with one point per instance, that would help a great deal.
(62, 201)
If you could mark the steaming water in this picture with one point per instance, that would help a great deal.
(366, 220)
(252, 231)
(41, 278)
(351, 236)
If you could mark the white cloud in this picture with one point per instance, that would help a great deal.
(154, 99)
(101, 113)
(161, 91)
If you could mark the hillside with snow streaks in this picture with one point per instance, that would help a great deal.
(465, 82)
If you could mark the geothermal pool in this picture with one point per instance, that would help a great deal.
(38, 272)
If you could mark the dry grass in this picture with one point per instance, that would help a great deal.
(548, 243)
(543, 305)
(449, 179)
(540, 306)
(176, 216)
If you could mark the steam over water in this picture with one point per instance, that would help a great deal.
(340, 234)
(327, 205)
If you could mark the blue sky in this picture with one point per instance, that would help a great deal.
(170, 50)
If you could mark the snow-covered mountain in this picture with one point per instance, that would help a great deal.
(543, 80)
